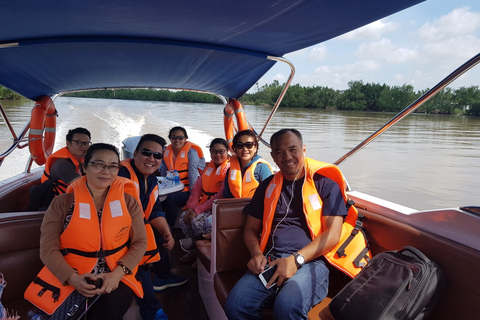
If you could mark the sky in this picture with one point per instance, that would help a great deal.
(418, 46)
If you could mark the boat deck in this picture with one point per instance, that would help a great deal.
(183, 302)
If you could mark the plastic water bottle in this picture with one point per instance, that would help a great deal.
(176, 178)
(169, 178)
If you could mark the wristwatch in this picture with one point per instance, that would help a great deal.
(299, 259)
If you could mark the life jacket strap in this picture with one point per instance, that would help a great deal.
(58, 187)
(46, 286)
(358, 228)
(94, 254)
(362, 255)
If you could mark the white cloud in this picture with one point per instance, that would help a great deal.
(385, 50)
(457, 23)
(318, 53)
(372, 31)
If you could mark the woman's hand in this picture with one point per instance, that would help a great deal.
(169, 241)
(81, 285)
(189, 215)
(111, 280)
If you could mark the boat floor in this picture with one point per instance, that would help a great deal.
(182, 302)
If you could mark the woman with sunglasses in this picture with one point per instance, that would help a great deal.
(187, 158)
(93, 232)
(196, 220)
(247, 169)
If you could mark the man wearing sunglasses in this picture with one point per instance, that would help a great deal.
(61, 169)
(298, 213)
(142, 169)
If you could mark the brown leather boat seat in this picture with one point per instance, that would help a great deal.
(19, 257)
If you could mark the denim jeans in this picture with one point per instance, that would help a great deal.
(293, 300)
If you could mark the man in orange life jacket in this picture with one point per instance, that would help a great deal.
(61, 169)
(141, 169)
(299, 214)
(64, 164)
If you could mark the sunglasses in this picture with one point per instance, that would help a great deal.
(148, 153)
(240, 145)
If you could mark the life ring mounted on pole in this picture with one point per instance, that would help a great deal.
(234, 107)
(43, 124)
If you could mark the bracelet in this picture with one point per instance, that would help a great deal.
(125, 269)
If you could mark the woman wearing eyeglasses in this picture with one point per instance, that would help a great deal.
(94, 231)
(247, 169)
(187, 158)
(196, 221)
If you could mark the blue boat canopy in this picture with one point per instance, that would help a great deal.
(53, 46)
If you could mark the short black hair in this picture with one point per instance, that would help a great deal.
(281, 132)
(80, 130)
(175, 129)
(151, 137)
(218, 141)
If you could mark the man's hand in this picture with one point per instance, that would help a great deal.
(257, 263)
(169, 241)
(286, 268)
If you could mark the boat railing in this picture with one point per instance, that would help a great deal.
(17, 139)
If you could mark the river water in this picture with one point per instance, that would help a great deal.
(423, 162)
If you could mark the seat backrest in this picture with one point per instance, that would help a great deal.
(230, 252)
(19, 251)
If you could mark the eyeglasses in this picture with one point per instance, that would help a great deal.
(82, 143)
(240, 145)
(220, 151)
(177, 137)
(101, 166)
(148, 153)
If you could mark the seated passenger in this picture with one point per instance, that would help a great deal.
(295, 217)
(196, 220)
(61, 169)
(247, 168)
(187, 158)
(141, 170)
(98, 214)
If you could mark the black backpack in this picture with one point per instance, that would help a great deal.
(402, 284)
(41, 195)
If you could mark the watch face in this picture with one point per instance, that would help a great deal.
(300, 259)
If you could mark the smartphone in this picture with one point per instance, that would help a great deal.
(266, 275)
(98, 283)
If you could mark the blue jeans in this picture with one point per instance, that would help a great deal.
(293, 300)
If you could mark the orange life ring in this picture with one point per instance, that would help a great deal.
(234, 107)
(44, 118)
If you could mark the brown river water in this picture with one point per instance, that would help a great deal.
(423, 162)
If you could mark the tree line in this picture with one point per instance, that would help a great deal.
(369, 97)
(359, 96)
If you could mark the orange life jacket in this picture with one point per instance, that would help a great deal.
(81, 252)
(181, 162)
(212, 179)
(151, 254)
(243, 187)
(60, 154)
(351, 253)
